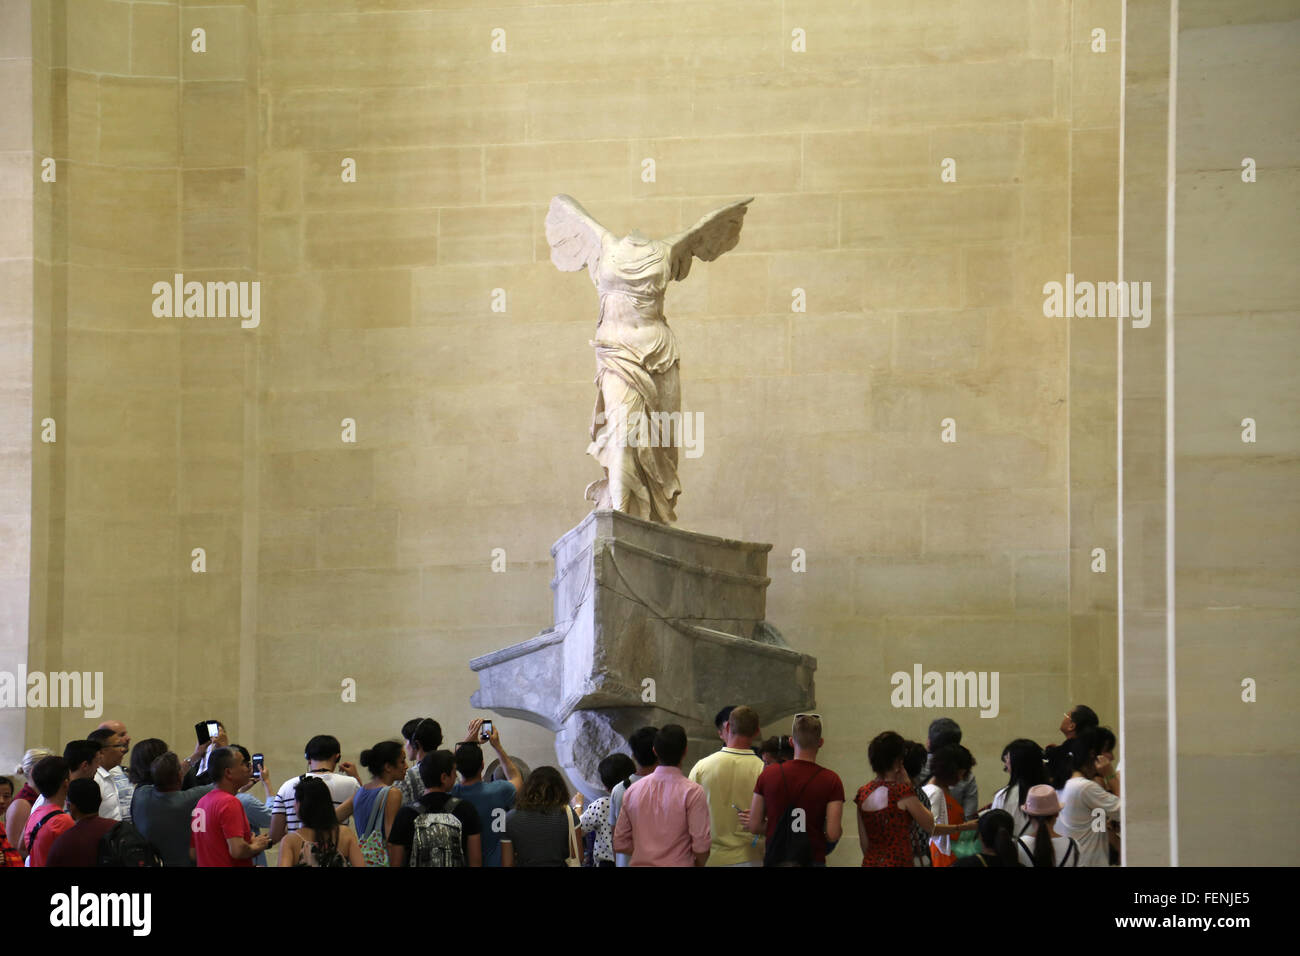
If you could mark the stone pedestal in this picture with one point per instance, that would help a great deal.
(653, 625)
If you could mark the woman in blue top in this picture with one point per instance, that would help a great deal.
(386, 762)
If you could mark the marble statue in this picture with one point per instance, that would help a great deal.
(636, 424)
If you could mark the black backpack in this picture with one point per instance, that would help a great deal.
(788, 848)
(124, 845)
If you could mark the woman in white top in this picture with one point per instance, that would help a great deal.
(1025, 764)
(1041, 846)
(1072, 767)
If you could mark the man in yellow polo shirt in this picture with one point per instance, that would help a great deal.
(728, 778)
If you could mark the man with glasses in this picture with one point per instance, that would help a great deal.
(813, 794)
(110, 776)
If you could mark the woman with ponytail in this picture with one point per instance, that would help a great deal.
(1039, 845)
(997, 842)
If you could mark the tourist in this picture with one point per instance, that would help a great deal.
(257, 811)
(1079, 721)
(26, 798)
(914, 759)
(798, 784)
(1041, 846)
(422, 736)
(542, 829)
(493, 800)
(664, 820)
(319, 840)
(887, 806)
(375, 805)
(111, 752)
(118, 775)
(220, 833)
(728, 777)
(1071, 766)
(642, 745)
(440, 830)
(160, 809)
(322, 755)
(79, 845)
(82, 758)
(945, 731)
(596, 818)
(47, 821)
(996, 842)
(1024, 760)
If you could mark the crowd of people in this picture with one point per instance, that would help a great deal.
(752, 802)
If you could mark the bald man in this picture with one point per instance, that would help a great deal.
(111, 774)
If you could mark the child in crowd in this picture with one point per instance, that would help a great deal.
(595, 819)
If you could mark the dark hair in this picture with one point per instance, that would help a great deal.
(995, 829)
(1044, 852)
(1064, 759)
(965, 759)
(423, 731)
(670, 744)
(221, 760)
(544, 790)
(78, 752)
(1085, 718)
(48, 775)
(380, 756)
(101, 735)
(85, 796)
(642, 743)
(1105, 740)
(943, 731)
(469, 759)
(1025, 759)
(243, 751)
(322, 747)
(782, 748)
(434, 766)
(5, 781)
(914, 754)
(885, 750)
(723, 716)
(316, 810)
(615, 768)
(946, 765)
(165, 771)
(143, 754)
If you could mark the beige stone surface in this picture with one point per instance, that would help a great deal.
(373, 560)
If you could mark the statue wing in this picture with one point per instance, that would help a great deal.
(576, 238)
(716, 233)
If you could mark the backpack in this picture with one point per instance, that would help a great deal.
(31, 842)
(788, 848)
(437, 839)
(1072, 849)
(124, 845)
(373, 847)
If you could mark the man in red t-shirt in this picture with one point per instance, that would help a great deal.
(79, 846)
(800, 782)
(46, 822)
(220, 834)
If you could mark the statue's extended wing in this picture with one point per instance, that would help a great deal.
(716, 233)
(575, 237)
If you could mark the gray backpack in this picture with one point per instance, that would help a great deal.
(437, 840)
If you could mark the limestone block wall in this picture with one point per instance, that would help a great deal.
(348, 582)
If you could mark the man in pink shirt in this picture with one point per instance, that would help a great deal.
(665, 817)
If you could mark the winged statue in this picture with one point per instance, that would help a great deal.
(636, 425)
